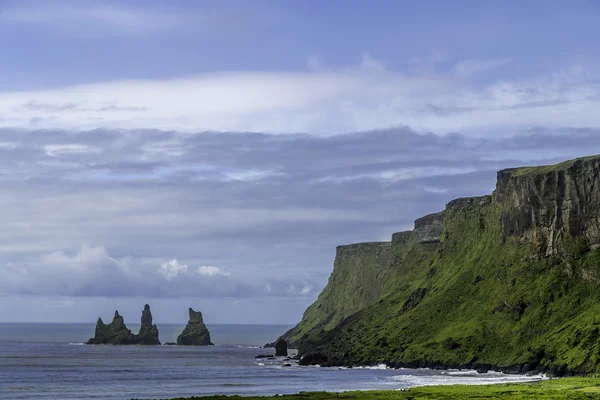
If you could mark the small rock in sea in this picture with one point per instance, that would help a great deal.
(170, 344)
(287, 365)
(281, 348)
(264, 356)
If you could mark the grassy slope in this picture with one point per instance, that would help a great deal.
(559, 389)
(488, 302)
(356, 284)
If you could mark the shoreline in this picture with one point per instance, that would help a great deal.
(573, 388)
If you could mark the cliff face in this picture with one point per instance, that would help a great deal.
(507, 281)
(549, 206)
(358, 275)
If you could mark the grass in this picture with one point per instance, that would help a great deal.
(556, 389)
(523, 171)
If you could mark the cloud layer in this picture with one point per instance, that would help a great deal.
(92, 271)
(164, 214)
(362, 98)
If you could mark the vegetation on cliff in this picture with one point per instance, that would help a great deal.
(508, 281)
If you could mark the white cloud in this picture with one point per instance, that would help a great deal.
(320, 102)
(102, 18)
(173, 268)
(211, 271)
(92, 271)
(56, 150)
(397, 175)
(467, 68)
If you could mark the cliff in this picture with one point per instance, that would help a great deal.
(117, 332)
(508, 281)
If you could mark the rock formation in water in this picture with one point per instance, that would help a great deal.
(148, 332)
(117, 332)
(195, 332)
(281, 348)
(509, 282)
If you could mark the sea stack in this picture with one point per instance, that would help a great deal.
(281, 348)
(114, 333)
(117, 332)
(195, 332)
(148, 332)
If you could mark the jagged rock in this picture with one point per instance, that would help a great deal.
(195, 332)
(148, 332)
(281, 348)
(428, 229)
(117, 332)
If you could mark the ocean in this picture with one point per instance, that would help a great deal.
(49, 361)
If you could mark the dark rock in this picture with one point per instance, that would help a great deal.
(170, 344)
(264, 356)
(195, 332)
(117, 332)
(281, 348)
(287, 365)
(313, 359)
(148, 332)
(414, 299)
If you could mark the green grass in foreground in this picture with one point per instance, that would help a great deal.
(556, 389)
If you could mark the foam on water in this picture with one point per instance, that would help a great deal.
(462, 377)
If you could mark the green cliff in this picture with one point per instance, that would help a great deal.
(509, 281)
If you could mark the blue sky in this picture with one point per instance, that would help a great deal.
(213, 154)
(49, 44)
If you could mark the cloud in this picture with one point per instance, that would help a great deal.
(178, 210)
(323, 101)
(92, 271)
(467, 68)
(115, 16)
(216, 215)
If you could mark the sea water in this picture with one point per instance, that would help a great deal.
(49, 361)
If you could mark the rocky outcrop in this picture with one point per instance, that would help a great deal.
(148, 332)
(281, 348)
(117, 332)
(195, 332)
(428, 229)
(508, 281)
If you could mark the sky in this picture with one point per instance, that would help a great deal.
(213, 154)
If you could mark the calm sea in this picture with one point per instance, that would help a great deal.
(48, 361)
